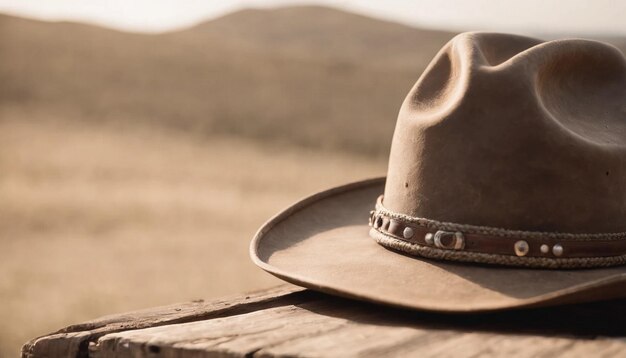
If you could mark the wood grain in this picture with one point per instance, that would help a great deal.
(335, 328)
(73, 341)
(291, 322)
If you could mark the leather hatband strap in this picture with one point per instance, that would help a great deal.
(509, 247)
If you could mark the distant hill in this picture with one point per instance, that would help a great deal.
(326, 33)
(310, 76)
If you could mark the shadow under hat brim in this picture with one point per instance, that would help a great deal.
(322, 243)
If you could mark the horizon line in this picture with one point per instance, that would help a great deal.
(208, 19)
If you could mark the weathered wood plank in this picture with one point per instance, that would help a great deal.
(289, 321)
(73, 341)
(329, 326)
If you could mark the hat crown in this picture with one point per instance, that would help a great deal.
(511, 132)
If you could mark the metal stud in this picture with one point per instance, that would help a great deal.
(521, 248)
(557, 250)
(407, 233)
(378, 222)
(544, 249)
(429, 239)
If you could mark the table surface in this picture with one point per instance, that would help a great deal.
(291, 321)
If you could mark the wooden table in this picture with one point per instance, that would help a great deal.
(290, 321)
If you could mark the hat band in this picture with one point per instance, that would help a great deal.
(480, 244)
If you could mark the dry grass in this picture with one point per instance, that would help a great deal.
(134, 169)
(95, 220)
(230, 76)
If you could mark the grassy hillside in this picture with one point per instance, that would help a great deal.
(304, 75)
(326, 34)
(311, 76)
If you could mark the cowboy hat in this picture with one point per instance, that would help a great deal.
(506, 188)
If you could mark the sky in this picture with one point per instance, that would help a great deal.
(597, 17)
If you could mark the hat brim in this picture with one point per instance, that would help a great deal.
(322, 243)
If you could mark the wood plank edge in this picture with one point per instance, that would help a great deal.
(74, 340)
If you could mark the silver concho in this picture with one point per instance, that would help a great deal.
(457, 241)
(521, 248)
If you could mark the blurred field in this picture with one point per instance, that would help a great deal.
(134, 169)
(258, 74)
(95, 221)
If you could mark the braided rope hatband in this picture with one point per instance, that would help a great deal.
(487, 245)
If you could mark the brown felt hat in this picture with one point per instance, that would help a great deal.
(506, 188)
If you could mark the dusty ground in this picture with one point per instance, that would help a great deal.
(97, 220)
